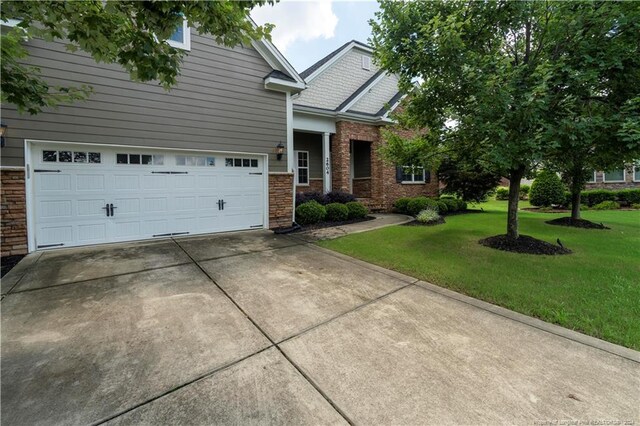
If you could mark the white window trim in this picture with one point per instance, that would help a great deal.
(624, 177)
(11, 22)
(295, 153)
(366, 62)
(186, 45)
(411, 182)
(593, 177)
(636, 168)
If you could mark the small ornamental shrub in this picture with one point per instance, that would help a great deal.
(416, 205)
(546, 190)
(452, 205)
(337, 212)
(303, 197)
(635, 206)
(629, 196)
(357, 210)
(502, 193)
(462, 205)
(340, 197)
(428, 215)
(447, 197)
(310, 212)
(597, 196)
(442, 207)
(607, 205)
(401, 205)
(524, 191)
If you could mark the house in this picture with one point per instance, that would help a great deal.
(137, 162)
(624, 178)
(337, 125)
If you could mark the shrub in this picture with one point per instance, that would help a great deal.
(502, 193)
(607, 205)
(452, 205)
(401, 205)
(546, 190)
(303, 197)
(447, 197)
(356, 210)
(416, 205)
(340, 197)
(635, 206)
(310, 212)
(442, 207)
(462, 205)
(337, 212)
(597, 196)
(524, 191)
(629, 196)
(427, 216)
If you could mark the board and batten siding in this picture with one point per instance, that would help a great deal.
(219, 104)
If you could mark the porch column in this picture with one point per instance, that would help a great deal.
(326, 160)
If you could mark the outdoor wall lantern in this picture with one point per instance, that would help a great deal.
(3, 130)
(279, 151)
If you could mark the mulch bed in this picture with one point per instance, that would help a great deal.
(440, 221)
(8, 262)
(576, 223)
(319, 225)
(524, 244)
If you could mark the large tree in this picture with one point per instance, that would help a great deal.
(488, 68)
(595, 92)
(128, 32)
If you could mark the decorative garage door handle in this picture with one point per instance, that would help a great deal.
(46, 171)
(171, 173)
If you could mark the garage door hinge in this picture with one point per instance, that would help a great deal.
(50, 245)
(255, 226)
(255, 173)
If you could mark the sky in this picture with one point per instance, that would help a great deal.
(306, 31)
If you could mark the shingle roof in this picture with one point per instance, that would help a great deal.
(306, 73)
(360, 90)
(280, 75)
(390, 104)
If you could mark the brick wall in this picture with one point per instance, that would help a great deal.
(383, 188)
(315, 185)
(280, 199)
(14, 213)
(362, 187)
(627, 184)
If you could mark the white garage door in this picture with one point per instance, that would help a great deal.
(90, 194)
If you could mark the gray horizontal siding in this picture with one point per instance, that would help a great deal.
(219, 103)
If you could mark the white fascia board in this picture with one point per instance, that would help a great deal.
(275, 59)
(306, 122)
(277, 84)
(333, 60)
(363, 93)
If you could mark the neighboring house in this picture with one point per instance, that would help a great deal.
(137, 162)
(337, 123)
(623, 178)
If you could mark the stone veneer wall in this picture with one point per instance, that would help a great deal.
(13, 239)
(384, 189)
(280, 199)
(315, 185)
(627, 184)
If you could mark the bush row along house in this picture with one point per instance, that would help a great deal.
(224, 150)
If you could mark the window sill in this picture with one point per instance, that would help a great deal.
(302, 184)
(413, 183)
(614, 181)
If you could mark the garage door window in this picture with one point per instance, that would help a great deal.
(144, 159)
(240, 162)
(71, 157)
(192, 160)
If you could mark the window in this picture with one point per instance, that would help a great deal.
(593, 177)
(70, 157)
(614, 175)
(181, 38)
(366, 62)
(412, 174)
(186, 160)
(144, 159)
(241, 162)
(636, 171)
(302, 167)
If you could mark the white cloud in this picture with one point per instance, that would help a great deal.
(297, 20)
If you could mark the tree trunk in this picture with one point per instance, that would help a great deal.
(514, 197)
(575, 203)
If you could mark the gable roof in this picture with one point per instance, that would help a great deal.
(360, 90)
(309, 72)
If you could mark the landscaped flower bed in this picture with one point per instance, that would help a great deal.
(316, 210)
(429, 211)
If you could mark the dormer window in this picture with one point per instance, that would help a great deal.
(181, 38)
(366, 62)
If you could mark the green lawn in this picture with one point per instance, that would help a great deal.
(595, 290)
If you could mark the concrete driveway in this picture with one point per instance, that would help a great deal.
(253, 328)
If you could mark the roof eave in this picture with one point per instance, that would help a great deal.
(280, 85)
